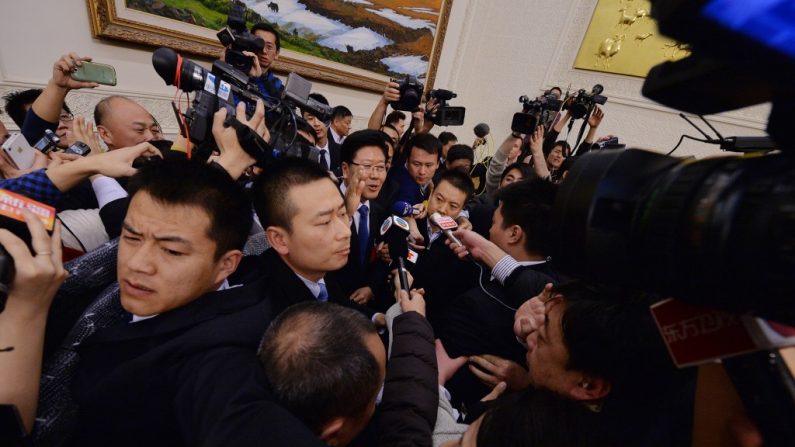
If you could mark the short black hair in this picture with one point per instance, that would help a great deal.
(394, 117)
(556, 88)
(319, 365)
(17, 101)
(446, 137)
(340, 112)
(271, 190)
(262, 26)
(524, 168)
(529, 204)
(459, 180)
(360, 139)
(460, 152)
(425, 142)
(541, 418)
(609, 332)
(192, 183)
(319, 98)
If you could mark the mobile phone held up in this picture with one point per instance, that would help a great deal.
(19, 151)
(93, 72)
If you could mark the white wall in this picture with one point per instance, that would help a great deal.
(495, 51)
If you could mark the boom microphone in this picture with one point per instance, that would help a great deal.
(481, 130)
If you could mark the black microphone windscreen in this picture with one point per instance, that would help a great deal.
(481, 130)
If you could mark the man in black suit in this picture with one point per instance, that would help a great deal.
(182, 369)
(364, 170)
(329, 149)
(309, 231)
(438, 270)
(480, 324)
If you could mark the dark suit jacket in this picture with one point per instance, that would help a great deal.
(373, 273)
(443, 276)
(284, 288)
(388, 195)
(408, 190)
(186, 377)
(334, 151)
(478, 324)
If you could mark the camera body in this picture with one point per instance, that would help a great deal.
(445, 115)
(534, 112)
(48, 142)
(410, 94)
(78, 148)
(236, 38)
(581, 103)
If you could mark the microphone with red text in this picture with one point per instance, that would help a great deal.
(394, 232)
(447, 224)
(404, 209)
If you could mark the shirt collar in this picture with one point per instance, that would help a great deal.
(313, 287)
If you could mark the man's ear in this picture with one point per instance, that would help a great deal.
(329, 432)
(345, 170)
(590, 388)
(227, 264)
(106, 136)
(279, 239)
(515, 234)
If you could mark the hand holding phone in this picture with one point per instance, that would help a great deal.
(19, 151)
(93, 72)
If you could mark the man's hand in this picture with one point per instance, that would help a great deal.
(414, 302)
(596, 117)
(356, 185)
(496, 392)
(447, 366)
(8, 169)
(463, 223)
(118, 163)
(62, 72)
(59, 158)
(395, 277)
(256, 69)
(421, 211)
(531, 315)
(391, 93)
(382, 250)
(537, 140)
(491, 370)
(476, 245)
(37, 276)
(363, 295)
(84, 131)
(234, 159)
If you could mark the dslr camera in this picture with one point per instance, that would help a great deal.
(410, 94)
(445, 115)
(582, 103)
(236, 38)
(534, 112)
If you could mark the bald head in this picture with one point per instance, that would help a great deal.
(122, 122)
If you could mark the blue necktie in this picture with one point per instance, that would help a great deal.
(323, 295)
(364, 234)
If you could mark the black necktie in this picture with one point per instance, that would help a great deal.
(323, 161)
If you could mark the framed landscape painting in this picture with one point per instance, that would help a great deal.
(356, 43)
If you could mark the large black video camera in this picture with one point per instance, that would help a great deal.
(534, 112)
(410, 94)
(236, 38)
(582, 103)
(225, 86)
(445, 115)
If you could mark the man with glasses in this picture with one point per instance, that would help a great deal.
(363, 156)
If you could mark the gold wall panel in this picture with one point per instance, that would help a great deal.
(622, 38)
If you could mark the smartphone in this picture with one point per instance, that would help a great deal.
(19, 151)
(78, 148)
(94, 72)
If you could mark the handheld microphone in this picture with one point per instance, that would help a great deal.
(447, 225)
(394, 231)
(481, 130)
(403, 209)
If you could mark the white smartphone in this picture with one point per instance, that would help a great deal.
(19, 151)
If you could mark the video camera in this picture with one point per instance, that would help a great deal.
(582, 103)
(236, 38)
(534, 112)
(445, 115)
(410, 94)
(224, 86)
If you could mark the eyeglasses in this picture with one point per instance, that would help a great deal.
(379, 169)
(269, 47)
(66, 116)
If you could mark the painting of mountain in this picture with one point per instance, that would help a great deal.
(388, 37)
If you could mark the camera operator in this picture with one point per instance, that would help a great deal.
(396, 118)
(262, 62)
(594, 121)
(36, 280)
(329, 157)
